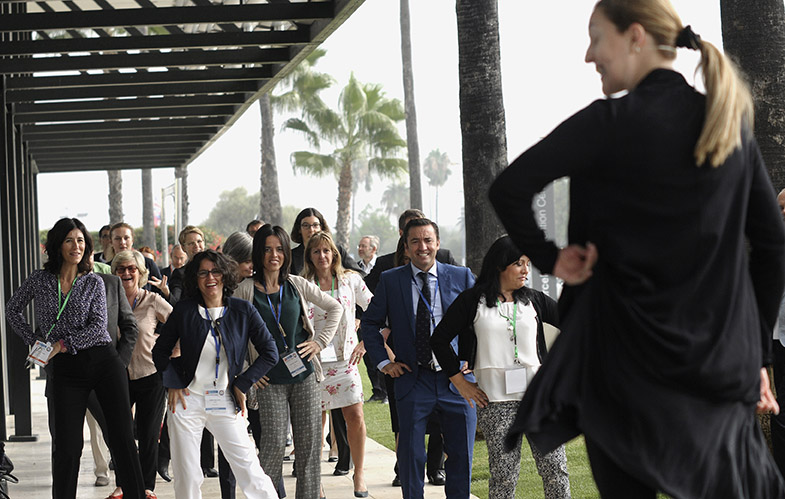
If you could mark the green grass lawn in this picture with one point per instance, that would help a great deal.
(377, 420)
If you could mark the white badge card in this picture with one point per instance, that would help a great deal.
(215, 401)
(39, 354)
(329, 354)
(515, 380)
(294, 364)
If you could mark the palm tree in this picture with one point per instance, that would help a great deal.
(148, 213)
(115, 196)
(412, 143)
(362, 129)
(437, 169)
(303, 84)
(483, 126)
(395, 199)
(755, 39)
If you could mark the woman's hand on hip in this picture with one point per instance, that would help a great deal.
(767, 401)
(469, 391)
(239, 396)
(175, 395)
(308, 349)
(263, 383)
(574, 263)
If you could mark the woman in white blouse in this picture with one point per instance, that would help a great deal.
(501, 327)
(341, 387)
(145, 385)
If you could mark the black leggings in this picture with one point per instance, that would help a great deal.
(612, 481)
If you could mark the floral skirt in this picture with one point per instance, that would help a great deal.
(341, 386)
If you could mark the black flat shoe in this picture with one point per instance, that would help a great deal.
(396, 481)
(332, 459)
(163, 472)
(210, 472)
(437, 478)
(338, 472)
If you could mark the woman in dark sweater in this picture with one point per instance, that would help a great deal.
(500, 325)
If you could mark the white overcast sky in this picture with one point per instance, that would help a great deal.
(544, 77)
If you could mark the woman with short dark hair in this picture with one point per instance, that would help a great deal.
(71, 317)
(206, 383)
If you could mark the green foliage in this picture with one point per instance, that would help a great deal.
(395, 199)
(289, 215)
(437, 168)
(232, 212)
(376, 223)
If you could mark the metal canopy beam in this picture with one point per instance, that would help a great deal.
(55, 166)
(121, 114)
(156, 42)
(119, 104)
(198, 88)
(97, 127)
(148, 60)
(73, 143)
(162, 16)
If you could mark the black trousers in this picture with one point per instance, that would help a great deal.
(163, 444)
(341, 439)
(75, 376)
(148, 394)
(612, 481)
(778, 421)
(376, 377)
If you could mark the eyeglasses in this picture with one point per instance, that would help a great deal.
(202, 274)
(306, 225)
(122, 270)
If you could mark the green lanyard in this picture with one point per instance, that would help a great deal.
(61, 307)
(332, 287)
(512, 325)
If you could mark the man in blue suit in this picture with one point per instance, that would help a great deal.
(412, 309)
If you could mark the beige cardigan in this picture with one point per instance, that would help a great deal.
(309, 292)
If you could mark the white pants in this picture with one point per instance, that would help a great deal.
(229, 430)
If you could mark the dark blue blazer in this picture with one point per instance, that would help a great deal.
(392, 304)
(240, 324)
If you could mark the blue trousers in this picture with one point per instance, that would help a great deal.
(431, 393)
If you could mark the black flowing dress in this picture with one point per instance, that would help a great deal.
(660, 353)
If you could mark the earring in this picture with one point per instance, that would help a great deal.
(637, 49)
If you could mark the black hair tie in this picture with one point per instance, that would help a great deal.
(688, 39)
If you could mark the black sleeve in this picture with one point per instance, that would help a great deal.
(176, 286)
(457, 321)
(573, 146)
(129, 331)
(348, 262)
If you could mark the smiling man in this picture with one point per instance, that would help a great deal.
(412, 300)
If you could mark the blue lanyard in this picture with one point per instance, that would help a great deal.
(215, 339)
(277, 316)
(133, 307)
(430, 308)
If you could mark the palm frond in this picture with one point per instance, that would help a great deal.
(388, 167)
(313, 163)
(298, 125)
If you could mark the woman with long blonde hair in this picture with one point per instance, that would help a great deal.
(674, 271)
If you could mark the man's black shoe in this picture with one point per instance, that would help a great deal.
(163, 472)
(438, 478)
(396, 481)
(377, 398)
(210, 472)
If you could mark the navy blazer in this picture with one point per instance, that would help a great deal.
(240, 324)
(392, 304)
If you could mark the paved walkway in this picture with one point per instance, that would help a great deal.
(33, 468)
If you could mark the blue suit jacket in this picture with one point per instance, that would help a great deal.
(392, 304)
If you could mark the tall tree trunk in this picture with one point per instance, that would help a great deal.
(755, 39)
(344, 205)
(412, 143)
(181, 172)
(148, 211)
(270, 199)
(483, 126)
(115, 196)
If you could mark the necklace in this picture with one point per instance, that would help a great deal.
(512, 327)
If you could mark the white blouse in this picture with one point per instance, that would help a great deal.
(497, 339)
(205, 369)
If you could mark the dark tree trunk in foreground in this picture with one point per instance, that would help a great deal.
(148, 212)
(115, 196)
(754, 37)
(269, 199)
(181, 172)
(412, 143)
(483, 126)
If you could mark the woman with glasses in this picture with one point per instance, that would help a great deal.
(309, 222)
(500, 325)
(145, 385)
(72, 336)
(293, 384)
(206, 384)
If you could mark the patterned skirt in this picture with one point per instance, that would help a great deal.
(341, 386)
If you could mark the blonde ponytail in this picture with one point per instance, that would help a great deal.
(728, 107)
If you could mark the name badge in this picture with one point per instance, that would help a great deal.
(39, 354)
(294, 363)
(215, 401)
(329, 354)
(515, 380)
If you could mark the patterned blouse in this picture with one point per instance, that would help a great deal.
(351, 290)
(83, 322)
